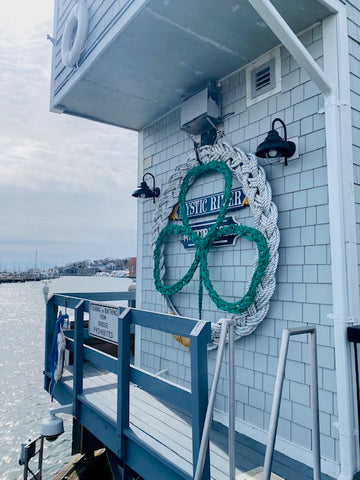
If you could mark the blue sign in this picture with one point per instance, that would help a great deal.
(202, 228)
(201, 206)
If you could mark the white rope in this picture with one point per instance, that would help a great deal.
(252, 177)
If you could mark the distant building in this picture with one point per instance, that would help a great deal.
(132, 267)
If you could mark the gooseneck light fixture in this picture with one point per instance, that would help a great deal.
(274, 147)
(144, 191)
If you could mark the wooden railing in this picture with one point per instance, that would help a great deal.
(118, 436)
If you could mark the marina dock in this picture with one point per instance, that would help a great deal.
(25, 277)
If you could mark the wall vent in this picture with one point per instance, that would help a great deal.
(263, 78)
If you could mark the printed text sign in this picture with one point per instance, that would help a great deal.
(103, 322)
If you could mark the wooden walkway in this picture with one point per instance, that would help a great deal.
(167, 431)
(152, 425)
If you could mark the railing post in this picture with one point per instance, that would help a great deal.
(315, 407)
(274, 418)
(132, 289)
(123, 374)
(232, 466)
(51, 311)
(280, 375)
(210, 406)
(78, 355)
(199, 338)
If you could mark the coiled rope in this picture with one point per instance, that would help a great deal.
(253, 307)
(203, 244)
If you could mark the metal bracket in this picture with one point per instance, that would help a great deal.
(341, 431)
(348, 321)
(68, 408)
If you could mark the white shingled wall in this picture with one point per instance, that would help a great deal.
(303, 292)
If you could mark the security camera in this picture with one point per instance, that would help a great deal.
(52, 427)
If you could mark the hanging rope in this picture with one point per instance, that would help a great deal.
(245, 168)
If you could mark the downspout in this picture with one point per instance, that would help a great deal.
(139, 250)
(344, 259)
(335, 86)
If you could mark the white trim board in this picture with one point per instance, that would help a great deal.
(344, 264)
(139, 249)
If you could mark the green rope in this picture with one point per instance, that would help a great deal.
(203, 245)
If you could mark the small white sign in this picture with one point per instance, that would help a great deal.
(103, 322)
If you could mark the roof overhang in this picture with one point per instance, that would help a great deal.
(169, 49)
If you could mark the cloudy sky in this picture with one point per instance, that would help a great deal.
(65, 183)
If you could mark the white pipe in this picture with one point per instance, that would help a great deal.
(139, 251)
(67, 408)
(315, 433)
(46, 292)
(274, 418)
(342, 229)
(281, 29)
(211, 402)
(334, 84)
(232, 403)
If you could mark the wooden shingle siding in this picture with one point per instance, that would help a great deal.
(102, 18)
(303, 293)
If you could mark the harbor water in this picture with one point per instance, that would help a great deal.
(23, 402)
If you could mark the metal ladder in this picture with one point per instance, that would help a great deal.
(28, 451)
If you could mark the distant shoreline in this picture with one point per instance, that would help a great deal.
(24, 277)
(38, 277)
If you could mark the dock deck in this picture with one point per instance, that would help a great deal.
(148, 423)
(167, 431)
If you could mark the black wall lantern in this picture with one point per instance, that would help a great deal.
(275, 147)
(144, 191)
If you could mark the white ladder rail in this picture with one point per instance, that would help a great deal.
(227, 326)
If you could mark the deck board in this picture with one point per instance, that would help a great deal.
(167, 430)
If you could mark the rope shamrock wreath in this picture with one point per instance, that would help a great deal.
(251, 309)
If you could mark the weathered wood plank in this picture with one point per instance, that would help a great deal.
(167, 430)
(159, 448)
(161, 388)
(164, 434)
(159, 423)
(86, 467)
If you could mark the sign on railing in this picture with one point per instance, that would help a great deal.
(103, 322)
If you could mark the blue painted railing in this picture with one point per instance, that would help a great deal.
(118, 436)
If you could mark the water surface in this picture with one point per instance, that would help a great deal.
(23, 401)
